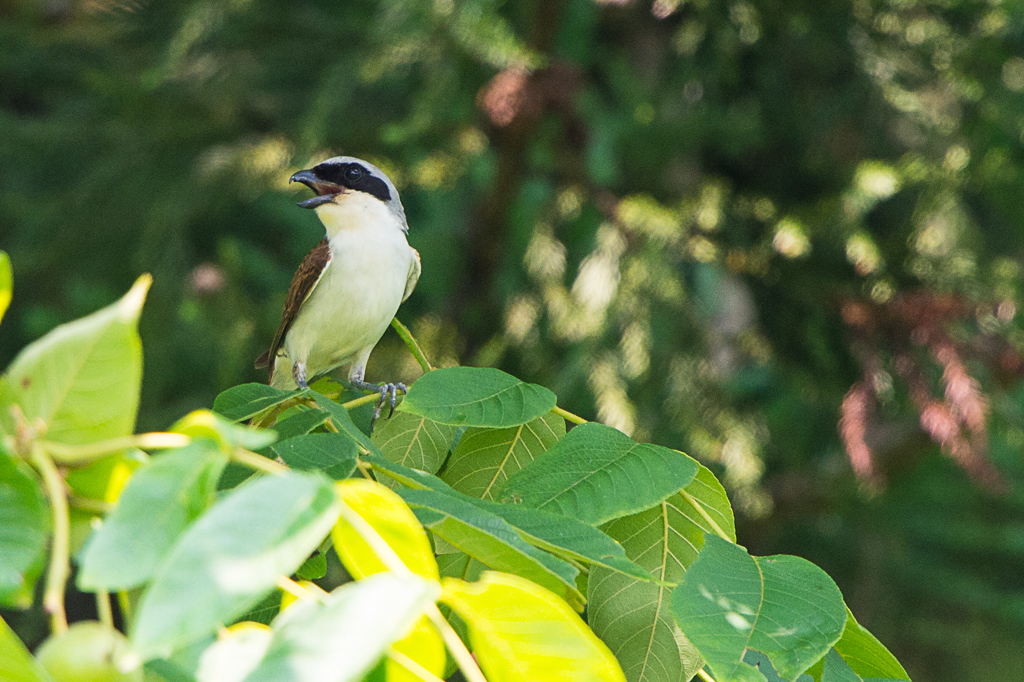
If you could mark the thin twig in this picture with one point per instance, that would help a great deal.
(296, 590)
(57, 574)
(412, 666)
(103, 610)
(411, 344)
(704, 676)
(258, 462)
(368, 399)
(568, 416)
(80, 455)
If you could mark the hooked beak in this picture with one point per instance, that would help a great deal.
(325, 191)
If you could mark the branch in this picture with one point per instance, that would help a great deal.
(57, 574)
(411, 344)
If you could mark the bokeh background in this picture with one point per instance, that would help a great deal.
(783, 236)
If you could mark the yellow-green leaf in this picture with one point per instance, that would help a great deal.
(16, 663)
(520, 631)
(6, 283)
(387, 514)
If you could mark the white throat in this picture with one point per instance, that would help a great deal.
(355, 211)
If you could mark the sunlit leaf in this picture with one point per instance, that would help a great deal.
(633, 617)
(82, 379)
(6, 283)
(597, 474)
(232, 556)
(160, 501)
(521, 631)
(485, 458)
(782, 606)
(23, 531)
(476, 396)
(210, 425)
(16, 663)
(414, 441)
(234, 655)
(342, 639)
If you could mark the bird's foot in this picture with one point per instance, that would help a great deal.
(388, 393)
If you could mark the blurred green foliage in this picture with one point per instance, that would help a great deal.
(700, 222)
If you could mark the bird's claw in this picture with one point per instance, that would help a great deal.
(386, 391)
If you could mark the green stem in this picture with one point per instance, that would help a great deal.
(412, 666)
(707, 517)
(704, 676)
(87, 504)
(568, 416)
(368, 399)
(258, 462)
(80, 455)
(57, 574)
(103, 609)
(411, 344)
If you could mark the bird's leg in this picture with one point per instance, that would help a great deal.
(299, 374)
(388, 390)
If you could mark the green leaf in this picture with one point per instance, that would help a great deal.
(560, 535)
(342, 639)
(235, 655)
(23, 531)
(313, 568)
(520, 631)
(860, 657)
(414, 441)
(491, 540)
(485, 458)
(783, 606)
(476, 396)
(161, 499)
(6, 283)
(597, 473)
(82, 379)
(232, 556)
(16, 663)
(332, 453)
(343, 422)
(301, 421)
(244, 401)
(633, 617)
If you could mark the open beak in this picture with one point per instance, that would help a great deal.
(325, 191)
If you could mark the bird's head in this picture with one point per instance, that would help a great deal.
(343, 178)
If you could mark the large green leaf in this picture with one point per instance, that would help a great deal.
(332, 453)
(485, 458)
(520, 631)
(298, 422)
(857, 656)
(561, 535)
(633, 617)
(162, 498)
(6, 283)
(232, 556)
(16, 663)
(244, 401)
(82, 379)
(24, 529)
(491, 540)
(341, 639)
(476, 396)
(597, 473)
(414, 441)
(783, 606)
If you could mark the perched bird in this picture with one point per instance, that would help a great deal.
(348, 288)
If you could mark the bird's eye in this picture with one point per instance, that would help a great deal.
(353, 173)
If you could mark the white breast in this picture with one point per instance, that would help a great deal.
(360, 292)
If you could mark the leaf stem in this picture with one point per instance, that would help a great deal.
(295, 589)
(704, 676)
(707, 517)
(394, 563)
(412, 666)
(568, 416)
(80, 455)
(411, 344)
(57, 574)
(258, 462)
(367, 399)
(103, 610)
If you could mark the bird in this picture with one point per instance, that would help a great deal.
(349, 287)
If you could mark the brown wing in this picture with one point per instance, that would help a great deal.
(306, 277)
